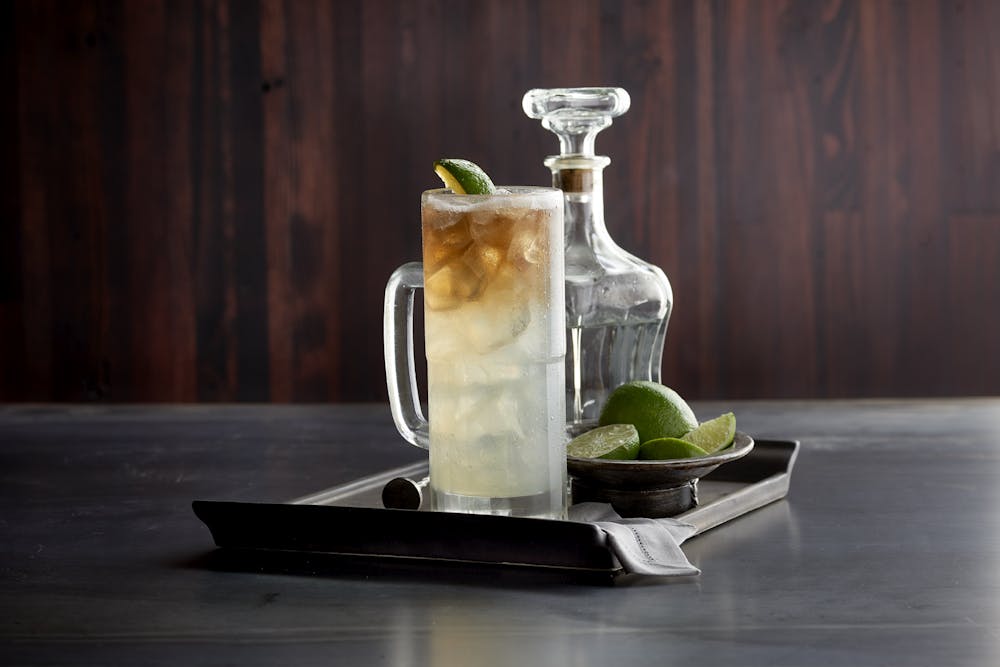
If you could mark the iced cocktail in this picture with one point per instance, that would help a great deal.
(495, 344)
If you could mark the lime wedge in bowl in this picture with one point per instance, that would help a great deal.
(664, 449)
(614, 441)
(713, 435)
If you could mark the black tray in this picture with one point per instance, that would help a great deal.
(348, 523)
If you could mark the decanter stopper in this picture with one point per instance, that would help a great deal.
(576, 115)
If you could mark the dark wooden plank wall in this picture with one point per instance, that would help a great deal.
(201, 200)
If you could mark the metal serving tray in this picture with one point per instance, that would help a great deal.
(347, 526)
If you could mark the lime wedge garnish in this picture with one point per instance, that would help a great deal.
(463, 177)
(656, 411)
(669, 448)
(614, 441)
(715, 434)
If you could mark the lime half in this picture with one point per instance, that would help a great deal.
(614, 441)
(715, 434)
(669, 448)
(656, 411)
(463, 177)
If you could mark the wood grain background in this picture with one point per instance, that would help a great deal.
(201, 201)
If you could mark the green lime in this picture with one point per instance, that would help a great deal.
(614, 441)
(662, 449)
(655, 411)
(715, 434)
(463, 177)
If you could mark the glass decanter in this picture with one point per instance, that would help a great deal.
(617, 305)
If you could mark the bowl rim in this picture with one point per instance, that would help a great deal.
(742, 444)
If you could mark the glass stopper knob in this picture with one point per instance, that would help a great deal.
(576, 115)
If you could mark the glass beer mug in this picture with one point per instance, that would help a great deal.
(494, 329)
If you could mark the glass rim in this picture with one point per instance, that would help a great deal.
(513, 191)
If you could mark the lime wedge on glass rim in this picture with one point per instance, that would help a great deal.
(614, 441)
(464, 177)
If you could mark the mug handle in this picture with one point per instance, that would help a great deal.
(397, 334)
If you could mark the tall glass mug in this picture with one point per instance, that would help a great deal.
(494, 329)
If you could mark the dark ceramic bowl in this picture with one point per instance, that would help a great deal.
(649, 488)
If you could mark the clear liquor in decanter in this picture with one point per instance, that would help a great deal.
(617, 305)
